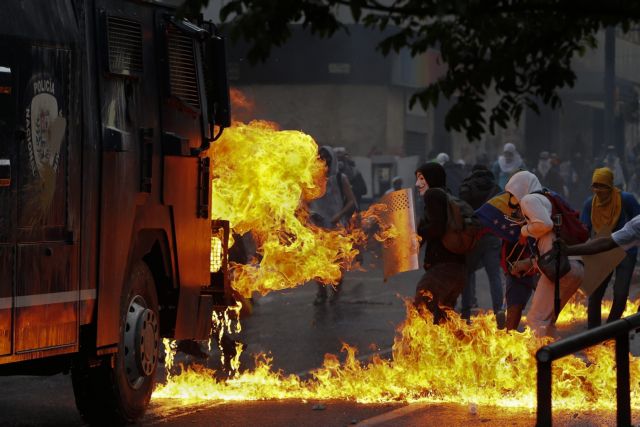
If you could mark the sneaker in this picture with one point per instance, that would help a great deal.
(501, 319)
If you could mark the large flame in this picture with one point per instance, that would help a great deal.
(455, 362)
(263, 179)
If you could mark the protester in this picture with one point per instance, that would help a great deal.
(445, 272)
(508, 163)
(613, 162)
(524, 188)
(476, 189)
(609, 209)
(557, 166)
(347, 166)
(501, 220)
(548, 173)
(396, 184)
(333, 208)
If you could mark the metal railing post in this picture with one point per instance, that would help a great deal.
(544, 388)
(623, 392)
(618, 330)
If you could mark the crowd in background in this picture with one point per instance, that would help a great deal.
(564, 175)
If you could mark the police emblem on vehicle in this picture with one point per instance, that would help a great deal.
(45, 126)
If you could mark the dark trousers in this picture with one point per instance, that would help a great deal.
(439, 288)
(624, 274)
(487, 255)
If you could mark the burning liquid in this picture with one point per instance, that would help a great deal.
(262, 180)
(454, 362)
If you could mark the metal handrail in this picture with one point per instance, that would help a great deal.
(618, 330)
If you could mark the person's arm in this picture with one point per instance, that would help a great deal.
(595, 246)
(539, 220)
(349, 203)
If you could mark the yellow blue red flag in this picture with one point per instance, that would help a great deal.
(494, 216)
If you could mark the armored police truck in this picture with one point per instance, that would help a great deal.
(107, 111)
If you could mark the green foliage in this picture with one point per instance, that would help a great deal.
(521, 49)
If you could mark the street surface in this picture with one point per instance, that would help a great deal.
(296, 334)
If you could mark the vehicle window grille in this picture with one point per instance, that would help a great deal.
(182, 68)
(125, 45)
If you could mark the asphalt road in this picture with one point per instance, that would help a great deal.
(296, 334)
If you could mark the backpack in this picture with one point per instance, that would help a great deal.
(572, 230)
(463, 226)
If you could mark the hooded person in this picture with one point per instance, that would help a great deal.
(536, 208)
(508, 163)
(613, 162)
(396, 184)
(548, 173)
(445, 272)
(336, 204)
(607, 211)
(334, 207)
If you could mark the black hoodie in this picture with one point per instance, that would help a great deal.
(479, 187)
(434, 221)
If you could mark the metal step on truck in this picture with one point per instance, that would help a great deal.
(107, 111)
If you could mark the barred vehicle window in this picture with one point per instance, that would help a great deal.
(124, 39)
(183, 79)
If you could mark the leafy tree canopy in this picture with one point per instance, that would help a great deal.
(521, 49)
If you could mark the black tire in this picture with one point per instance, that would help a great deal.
(118, 391)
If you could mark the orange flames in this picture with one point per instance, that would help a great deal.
(454, 362)
(576, 311)
(263, 179)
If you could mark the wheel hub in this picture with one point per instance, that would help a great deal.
(141, 341)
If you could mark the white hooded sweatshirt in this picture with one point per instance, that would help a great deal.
(536, 208)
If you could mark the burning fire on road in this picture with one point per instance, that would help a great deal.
(263, 178)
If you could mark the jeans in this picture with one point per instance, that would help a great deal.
(487, 255)
(624, 274)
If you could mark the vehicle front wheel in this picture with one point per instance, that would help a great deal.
(118, 390)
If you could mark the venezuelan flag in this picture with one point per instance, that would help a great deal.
(493, 216)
